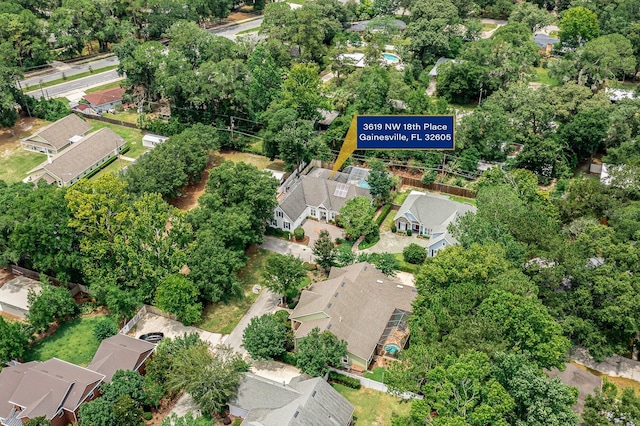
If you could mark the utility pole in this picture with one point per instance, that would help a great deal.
(26, 103)
(231, 127)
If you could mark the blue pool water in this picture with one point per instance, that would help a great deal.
(391, 57)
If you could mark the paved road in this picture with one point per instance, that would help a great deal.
(231, 32)
(285, 247)
(81, 84)
(69, 70)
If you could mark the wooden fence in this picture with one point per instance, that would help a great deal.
(74, 288)
(107, 120)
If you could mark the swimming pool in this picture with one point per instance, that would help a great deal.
(390, 57)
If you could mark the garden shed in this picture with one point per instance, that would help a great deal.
(14, 295)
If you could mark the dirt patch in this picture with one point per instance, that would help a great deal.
(190, 194)
(166, 405)
(10, 138)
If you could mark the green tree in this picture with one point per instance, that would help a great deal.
(413, 253)
(577, 26)
(266, 337)
(38, 421)
(127, 411)
(13, 340)
(531, 15)
(316, 352)
(50, 304)
(380, 182)
(187, 420)
(323, 250)
(283, 274)
(538, 399)
(384, 262)
(178, 295)
(610, 406)
(301, 91)
(105, 328)
(98, 412)
(356, 217)
(125, 383)
(586, 132)
(431, 29)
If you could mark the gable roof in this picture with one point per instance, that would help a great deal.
(301, 402)
(543, 40)
(432, 210)
(57, 134)
(315, 189)
(10, 378)
(105, 96)
(120, 352)
(357, 302)
(46, 387)
(70, 163)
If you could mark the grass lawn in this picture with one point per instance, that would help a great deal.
(70, 78)
(542, 76)
(130, 116)
(471, 201)
(373, 407)
(250, 30)
(74, 342)
(259, 161)
(388, 221)
(15, 162)
(103, 87)
(377, 374)
(400, 197)
(406, 266)
(221, 318)
(488, 27)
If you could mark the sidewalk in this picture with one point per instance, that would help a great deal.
(616, 366)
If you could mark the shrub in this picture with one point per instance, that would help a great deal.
(147, 415)
(429, 177)
(349, 382)
(393, 228)
(415, 254)
(288, 358)
(105, 328)
(298, 234)
(409, 232)
(383, 214)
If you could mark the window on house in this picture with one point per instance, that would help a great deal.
(345, 359)
(274, 222)
(313, 212)
(286, 225)
(279, 214)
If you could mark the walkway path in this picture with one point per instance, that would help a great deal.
(300, 251)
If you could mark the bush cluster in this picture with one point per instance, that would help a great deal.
(349, 382)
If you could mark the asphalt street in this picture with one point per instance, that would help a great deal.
(68, 70)
(81, 84)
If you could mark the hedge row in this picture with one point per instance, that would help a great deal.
(383, 214)
(349, 382)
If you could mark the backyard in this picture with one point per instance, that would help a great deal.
(374, 407)
(73, 342)
(15, 162)
(221, 318)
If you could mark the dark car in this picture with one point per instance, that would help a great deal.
(152, 337)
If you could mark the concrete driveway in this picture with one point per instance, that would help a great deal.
(150, 323)
(277, 245)
(395, 243)
(312, 229)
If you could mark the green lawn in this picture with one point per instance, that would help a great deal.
(373, 407)
(377, 374)
(542, 76)
(221, 318)
(400, 197)
(130, 116)
(70, 78)
(471, 201)
(16, 163)
(405, 266)
(250, 30)
(74, 342)
(104, 87)
(488, 27)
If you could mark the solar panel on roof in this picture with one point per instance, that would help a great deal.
(341, 190)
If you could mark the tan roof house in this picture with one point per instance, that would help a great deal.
(54, 389)
(79, 160)
(14, 295)
(57, 136)
(120, 352)
(360, 305)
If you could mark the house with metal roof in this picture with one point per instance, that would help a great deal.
(319, 195)
(360, 305)
(54, 389)
(429, 215)
(84, 156)
(57, 136)
(303, 401)
(120, 352)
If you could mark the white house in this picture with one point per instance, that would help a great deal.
(429, 215)
(317, 196)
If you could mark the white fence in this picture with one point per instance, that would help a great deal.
(372, 384)
(133, 321)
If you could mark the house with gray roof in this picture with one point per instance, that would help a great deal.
(429, 215)
(318, 195)
(120, 352)
(54, 389)
(87, 154)
(440, 61)
(545, 43)
(303, 401)
(14, 295)
(57, 136)
(361, 305)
